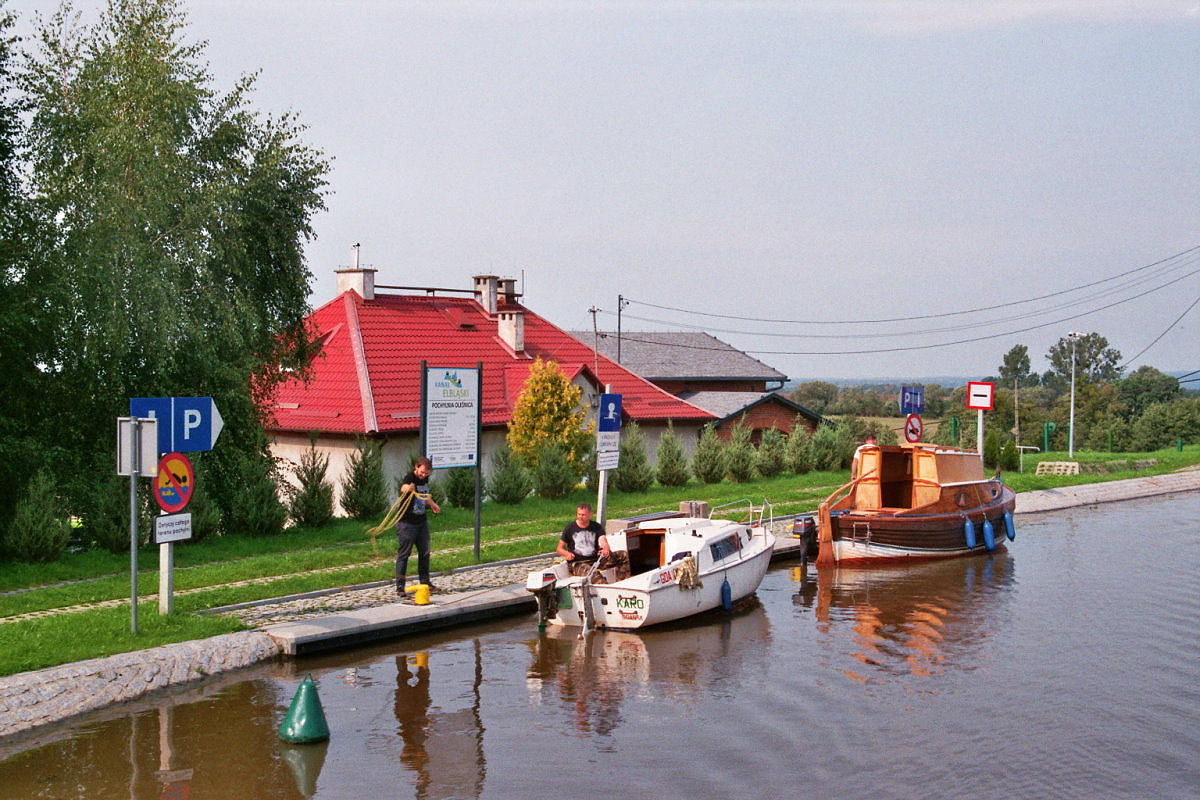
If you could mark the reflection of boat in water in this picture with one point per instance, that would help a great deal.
(594, 673)
(914, 501)
(663, 567)
(914, 618)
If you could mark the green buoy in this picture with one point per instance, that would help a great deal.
(305, 720)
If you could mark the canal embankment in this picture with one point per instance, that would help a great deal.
(293, 626)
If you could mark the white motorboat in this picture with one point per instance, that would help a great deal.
(663, 567)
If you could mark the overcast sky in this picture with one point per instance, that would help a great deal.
(772, 164)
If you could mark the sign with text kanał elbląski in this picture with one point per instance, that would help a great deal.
(451, 416)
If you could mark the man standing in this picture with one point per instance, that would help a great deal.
(582, 541)
(413, 527)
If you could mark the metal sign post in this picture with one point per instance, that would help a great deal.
(137, 456)
(608, 446)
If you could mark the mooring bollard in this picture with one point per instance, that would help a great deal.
(305, 719)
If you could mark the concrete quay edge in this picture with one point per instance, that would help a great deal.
(30, 700)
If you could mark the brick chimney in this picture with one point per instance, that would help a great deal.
(511, 328)
(486, 287)
(357, 278)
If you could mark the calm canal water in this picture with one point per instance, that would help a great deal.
(1068, 667)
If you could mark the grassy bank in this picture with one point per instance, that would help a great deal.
(232, 569)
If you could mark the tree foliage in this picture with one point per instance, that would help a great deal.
(509, 482)
(548, 411)
(671, 467)
(739, 452)
(634, 473)
(772, 455)
(708, 459)
(175, 217)
(310, 502)
(1016, 368)
(1094, 360)
(554, 476)
(364, 491)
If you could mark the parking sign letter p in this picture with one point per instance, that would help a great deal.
(191, 420)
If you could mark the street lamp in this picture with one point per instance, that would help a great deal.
(1074, 336)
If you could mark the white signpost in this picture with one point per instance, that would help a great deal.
(137, 457)
(608, 445)
(980, 396)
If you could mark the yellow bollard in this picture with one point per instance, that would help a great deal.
(420, 593)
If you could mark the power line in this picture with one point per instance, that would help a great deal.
(1164, 333)
(1191, 254)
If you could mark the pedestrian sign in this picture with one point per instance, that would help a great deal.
(174, 484)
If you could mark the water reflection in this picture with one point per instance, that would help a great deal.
(912, 619)
(443, 748)
(596, 674)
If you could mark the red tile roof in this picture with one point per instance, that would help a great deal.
(367, 376)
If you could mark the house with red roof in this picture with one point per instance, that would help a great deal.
(366, 379)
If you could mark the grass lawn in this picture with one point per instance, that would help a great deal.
(233, 569)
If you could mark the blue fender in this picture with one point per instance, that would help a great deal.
(1009, 530)
(989, 535)
(969, 531)
(726, 596)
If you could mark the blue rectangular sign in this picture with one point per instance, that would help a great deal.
(609, 415)
(912, 399)
(186, 424)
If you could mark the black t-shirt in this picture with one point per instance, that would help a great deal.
(416, 511)
(583, 542)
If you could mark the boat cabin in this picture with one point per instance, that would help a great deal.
(910, 475)
(657, 543)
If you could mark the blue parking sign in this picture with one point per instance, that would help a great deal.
(912, 399)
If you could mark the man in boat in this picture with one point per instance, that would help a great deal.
(583, 541)
(870, 442)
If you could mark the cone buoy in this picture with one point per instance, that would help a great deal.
(305, 720)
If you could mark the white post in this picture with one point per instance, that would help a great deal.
(602, 490)
(166, 578)
(979, 434)
(1071, 432)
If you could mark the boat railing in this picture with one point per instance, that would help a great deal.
(765, 512)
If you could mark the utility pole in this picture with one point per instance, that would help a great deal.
(595, 342)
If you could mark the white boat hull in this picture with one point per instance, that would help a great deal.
(664, 594)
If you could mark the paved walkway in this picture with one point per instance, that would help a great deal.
(33, 700)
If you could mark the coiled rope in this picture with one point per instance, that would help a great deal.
(398, 510)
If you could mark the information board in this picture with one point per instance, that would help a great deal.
(451, 416)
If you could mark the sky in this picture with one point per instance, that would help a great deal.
(841, 188)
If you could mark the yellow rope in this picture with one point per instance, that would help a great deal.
(398, 510)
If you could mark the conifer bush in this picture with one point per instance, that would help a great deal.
(739, 453)
(798, 449)
(634, 473)
(509, 481)
(310, 503)
(771, 454)
(554, 476)
(672, 467)
(257, 509)
(708, 459)
(460, 487)
(38, 532)
(832, 447)
(364, 491)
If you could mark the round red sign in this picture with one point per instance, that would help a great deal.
(173, 486)
(912, 428)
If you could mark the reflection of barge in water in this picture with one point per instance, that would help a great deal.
(914, 501)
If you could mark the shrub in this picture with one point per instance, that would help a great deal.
(672, 467)
(1010, 457)
(38, 531)
(832, 447)
(257, 510)
(509, 482)
(554, 476)
(105, 516)
(991, 448)
(708, 460)
(634, 473)
(364, 493)
(206, 514)
(771, 454)
(460, 487)
(739, 453)
(311, 502)
(798, 450)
